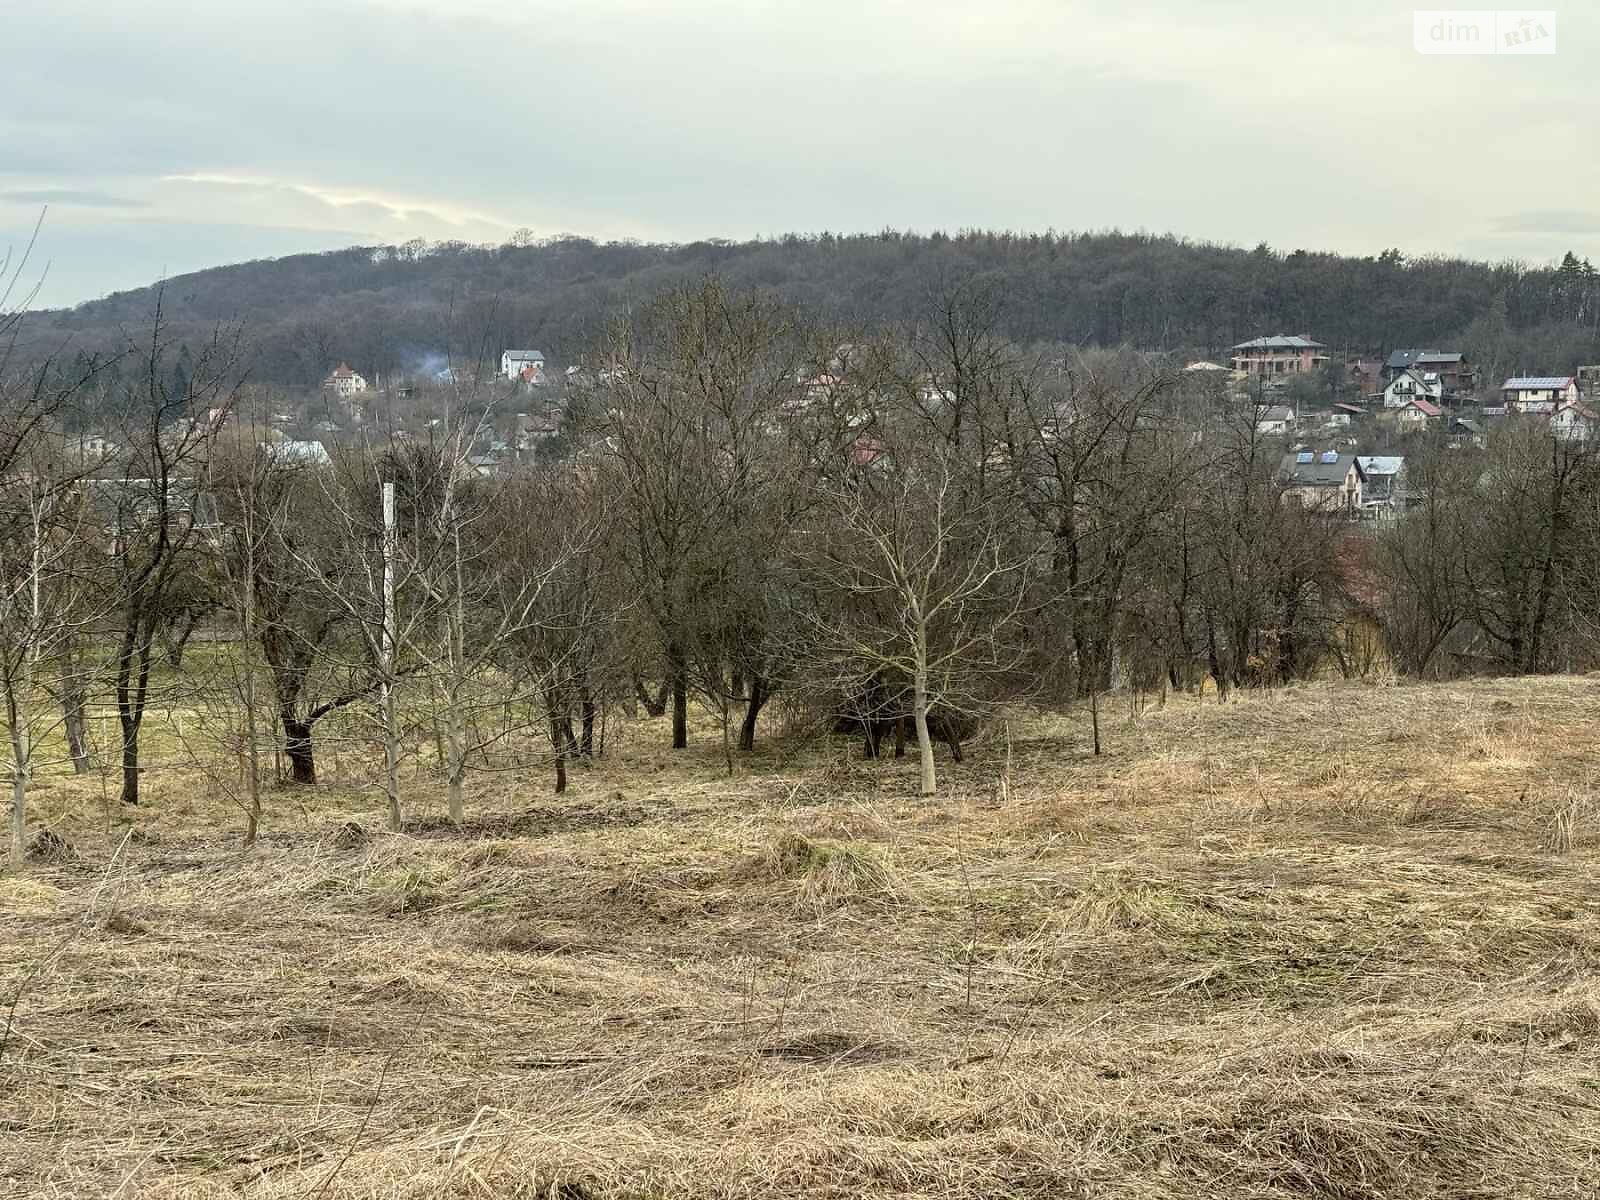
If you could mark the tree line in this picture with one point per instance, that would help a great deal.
(781, 520)
(387, 309)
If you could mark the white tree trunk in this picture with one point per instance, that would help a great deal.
(391, 730)
(455, 720)
(20, 752)
(455, 739)
(919, 717)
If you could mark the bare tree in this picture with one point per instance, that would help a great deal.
(921, 589)
(156, 512)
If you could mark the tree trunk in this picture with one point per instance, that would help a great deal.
(587, 709)
(176, 646)
(455, 747)
(130, 762)
(680, 707)
(752, 710)
(298, 746)
(654, 706)
(72, 705)
(20, 755)
(919, 717)
(900, 736)
(558, 740)
(391, 754)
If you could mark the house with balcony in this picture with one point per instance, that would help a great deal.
(1280, 354)
(1451, 368)
(1538, 393)
(1412, 385)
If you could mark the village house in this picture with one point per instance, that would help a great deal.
(299, 453)
(1451, 368)
(1279, 354)
(1381, 478)
(1326, 482)
(344, 382)
(1412, 385)
(532, 429)
(522, 366)
(1538, 393)
(1416, 414)
(1275, 419)
(1575, 421)
(1465, 431)
(1365, 375)
(92, 448)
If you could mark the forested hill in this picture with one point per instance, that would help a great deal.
(385, 309)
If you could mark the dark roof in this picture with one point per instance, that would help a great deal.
(1280, 341)
(1402, 359)
(1326, 469)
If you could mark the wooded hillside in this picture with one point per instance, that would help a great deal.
(397, 308)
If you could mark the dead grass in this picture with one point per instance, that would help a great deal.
(1337, 942)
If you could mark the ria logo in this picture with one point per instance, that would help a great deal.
(1483, 31)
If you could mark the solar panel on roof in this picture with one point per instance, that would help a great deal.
(1330, 456)
(1304, 456)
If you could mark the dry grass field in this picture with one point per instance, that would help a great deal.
(1337, 941)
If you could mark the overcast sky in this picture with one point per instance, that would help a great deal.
(168, 136)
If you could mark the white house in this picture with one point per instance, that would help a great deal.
(1274, 420)
(1412, 385)
(92, 448)
(522, 365)
(306, 454)
(1575, 421)
(344, 382)
(1538, 393)
(1382, 474)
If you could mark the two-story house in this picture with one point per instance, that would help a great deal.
(1279, 354)
(1415, 414)
(1575, 421)
(1413, 385)
(344, 382)
(522, 366)
(1327, 482)
(1538, 393)
(1451, 368)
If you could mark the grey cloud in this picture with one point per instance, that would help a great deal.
(82, 198)
(1235, 120)
(1557, 220)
